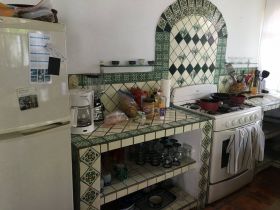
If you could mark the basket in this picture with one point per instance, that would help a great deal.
(237, 88)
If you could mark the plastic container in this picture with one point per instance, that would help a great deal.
(161, 106)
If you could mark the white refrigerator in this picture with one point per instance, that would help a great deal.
(35, 141)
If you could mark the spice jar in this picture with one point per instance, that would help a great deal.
(148, 107)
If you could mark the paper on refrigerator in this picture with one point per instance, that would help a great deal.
(39, 58)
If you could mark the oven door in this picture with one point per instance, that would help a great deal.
(219, 157)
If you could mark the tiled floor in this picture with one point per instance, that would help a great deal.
(262, 194)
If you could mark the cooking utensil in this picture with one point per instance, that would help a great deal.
(237, 99)
(231, 72)
(257, 96)
(265, 74)
(240, 78)
(221, 96)
(209, 104)
(227, 98)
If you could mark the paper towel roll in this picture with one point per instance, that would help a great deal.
(165, 89)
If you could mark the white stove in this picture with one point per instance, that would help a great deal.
(225, 121)
(227, 116)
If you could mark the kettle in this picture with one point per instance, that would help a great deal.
(82, 111)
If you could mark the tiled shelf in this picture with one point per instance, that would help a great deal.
(140, 177)
(183, 200)
(133, 132)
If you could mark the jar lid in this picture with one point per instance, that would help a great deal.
(149, 100)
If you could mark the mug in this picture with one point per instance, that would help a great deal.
(107, 178)
(121, 172)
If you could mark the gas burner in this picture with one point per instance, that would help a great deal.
(227, 108)
(194, 106)
(211, 112)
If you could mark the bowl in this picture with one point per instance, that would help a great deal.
(151, 62)
(155, 201)
(115, 62)
(132, 62)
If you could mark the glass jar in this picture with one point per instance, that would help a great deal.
(148, 108)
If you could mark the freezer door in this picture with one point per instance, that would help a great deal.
(35, 170)
(53, 98)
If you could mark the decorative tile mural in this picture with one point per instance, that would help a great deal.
(191, 41)
(193, 49)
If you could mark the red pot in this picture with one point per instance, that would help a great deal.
(237, 99)
(209, 104)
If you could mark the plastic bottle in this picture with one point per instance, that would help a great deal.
(161, 105)
(256, 83)
(156, 105)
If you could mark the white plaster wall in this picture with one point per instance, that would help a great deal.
(244, 21)
(125, 29)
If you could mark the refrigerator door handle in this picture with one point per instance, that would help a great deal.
(31, 131)
(74, 116)
(43, 128)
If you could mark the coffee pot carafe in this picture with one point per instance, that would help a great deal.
(82, 115)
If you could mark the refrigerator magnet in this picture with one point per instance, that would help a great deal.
(54, 66)
(27, 98)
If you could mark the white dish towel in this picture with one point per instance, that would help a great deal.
(245, 146)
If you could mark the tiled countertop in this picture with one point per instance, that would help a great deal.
(133, 132)
(268, 102)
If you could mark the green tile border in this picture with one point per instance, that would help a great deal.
(157, 74)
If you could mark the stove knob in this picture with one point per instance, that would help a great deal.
(247, 119)
(255, 116)
(233, 123)
(241, 121)
(251, 117)
(227, 124)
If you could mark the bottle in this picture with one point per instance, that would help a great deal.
(255, 83)
(148, 108)
(161, 106)
(156, 97)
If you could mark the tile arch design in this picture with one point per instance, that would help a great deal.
(203, 69)
(182, 8)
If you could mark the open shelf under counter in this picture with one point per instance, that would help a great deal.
(140, 177)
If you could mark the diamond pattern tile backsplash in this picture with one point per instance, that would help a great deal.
(193, 49)
(110, 96)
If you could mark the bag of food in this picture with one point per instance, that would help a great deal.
(127, 104)
(114, 118)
